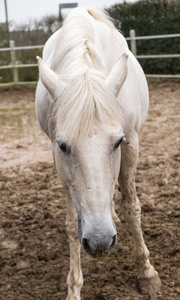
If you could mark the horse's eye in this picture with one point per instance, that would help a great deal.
(63, 146)
(117, 144)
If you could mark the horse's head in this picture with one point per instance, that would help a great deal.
(88, 170)
(88, 164)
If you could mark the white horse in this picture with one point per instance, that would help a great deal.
(91, 101)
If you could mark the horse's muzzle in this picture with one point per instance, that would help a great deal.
(98, 249)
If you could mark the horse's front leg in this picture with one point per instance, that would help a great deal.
(75, 278)
(149, 280)
(114, 214)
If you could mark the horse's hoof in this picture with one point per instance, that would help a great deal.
(150, 286)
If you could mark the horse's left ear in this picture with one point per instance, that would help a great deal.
(117, 75)
(50, 79)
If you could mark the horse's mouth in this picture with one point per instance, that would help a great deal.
(99, 251)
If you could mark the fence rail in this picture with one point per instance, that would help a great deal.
(21, 48)
(133, 38)
(18, 66)
(150, 37)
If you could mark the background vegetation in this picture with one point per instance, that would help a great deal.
(152, 17)
(147, 17)
(31, 33)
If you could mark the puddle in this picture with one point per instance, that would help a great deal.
(19, 123)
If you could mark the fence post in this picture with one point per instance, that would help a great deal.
(133, 41)
(13, 62)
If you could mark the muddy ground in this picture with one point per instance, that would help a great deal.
(34, 249)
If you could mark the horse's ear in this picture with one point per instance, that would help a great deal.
(117, 75)
(50, 79)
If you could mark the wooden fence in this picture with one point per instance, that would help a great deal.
(133, 38)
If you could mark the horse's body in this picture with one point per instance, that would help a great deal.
(92, 96)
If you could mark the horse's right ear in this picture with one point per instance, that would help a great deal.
(117, 75)
(50, 79)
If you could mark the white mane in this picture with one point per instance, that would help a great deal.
(85, 101)
(75, 50)
(86, 98)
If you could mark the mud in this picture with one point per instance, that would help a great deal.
(34, 251)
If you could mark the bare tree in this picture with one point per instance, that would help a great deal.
(35, 32)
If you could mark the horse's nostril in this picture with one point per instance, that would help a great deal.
(86, 246)
(85, 243)
(113, 242)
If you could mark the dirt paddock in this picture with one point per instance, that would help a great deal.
(34, 249)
